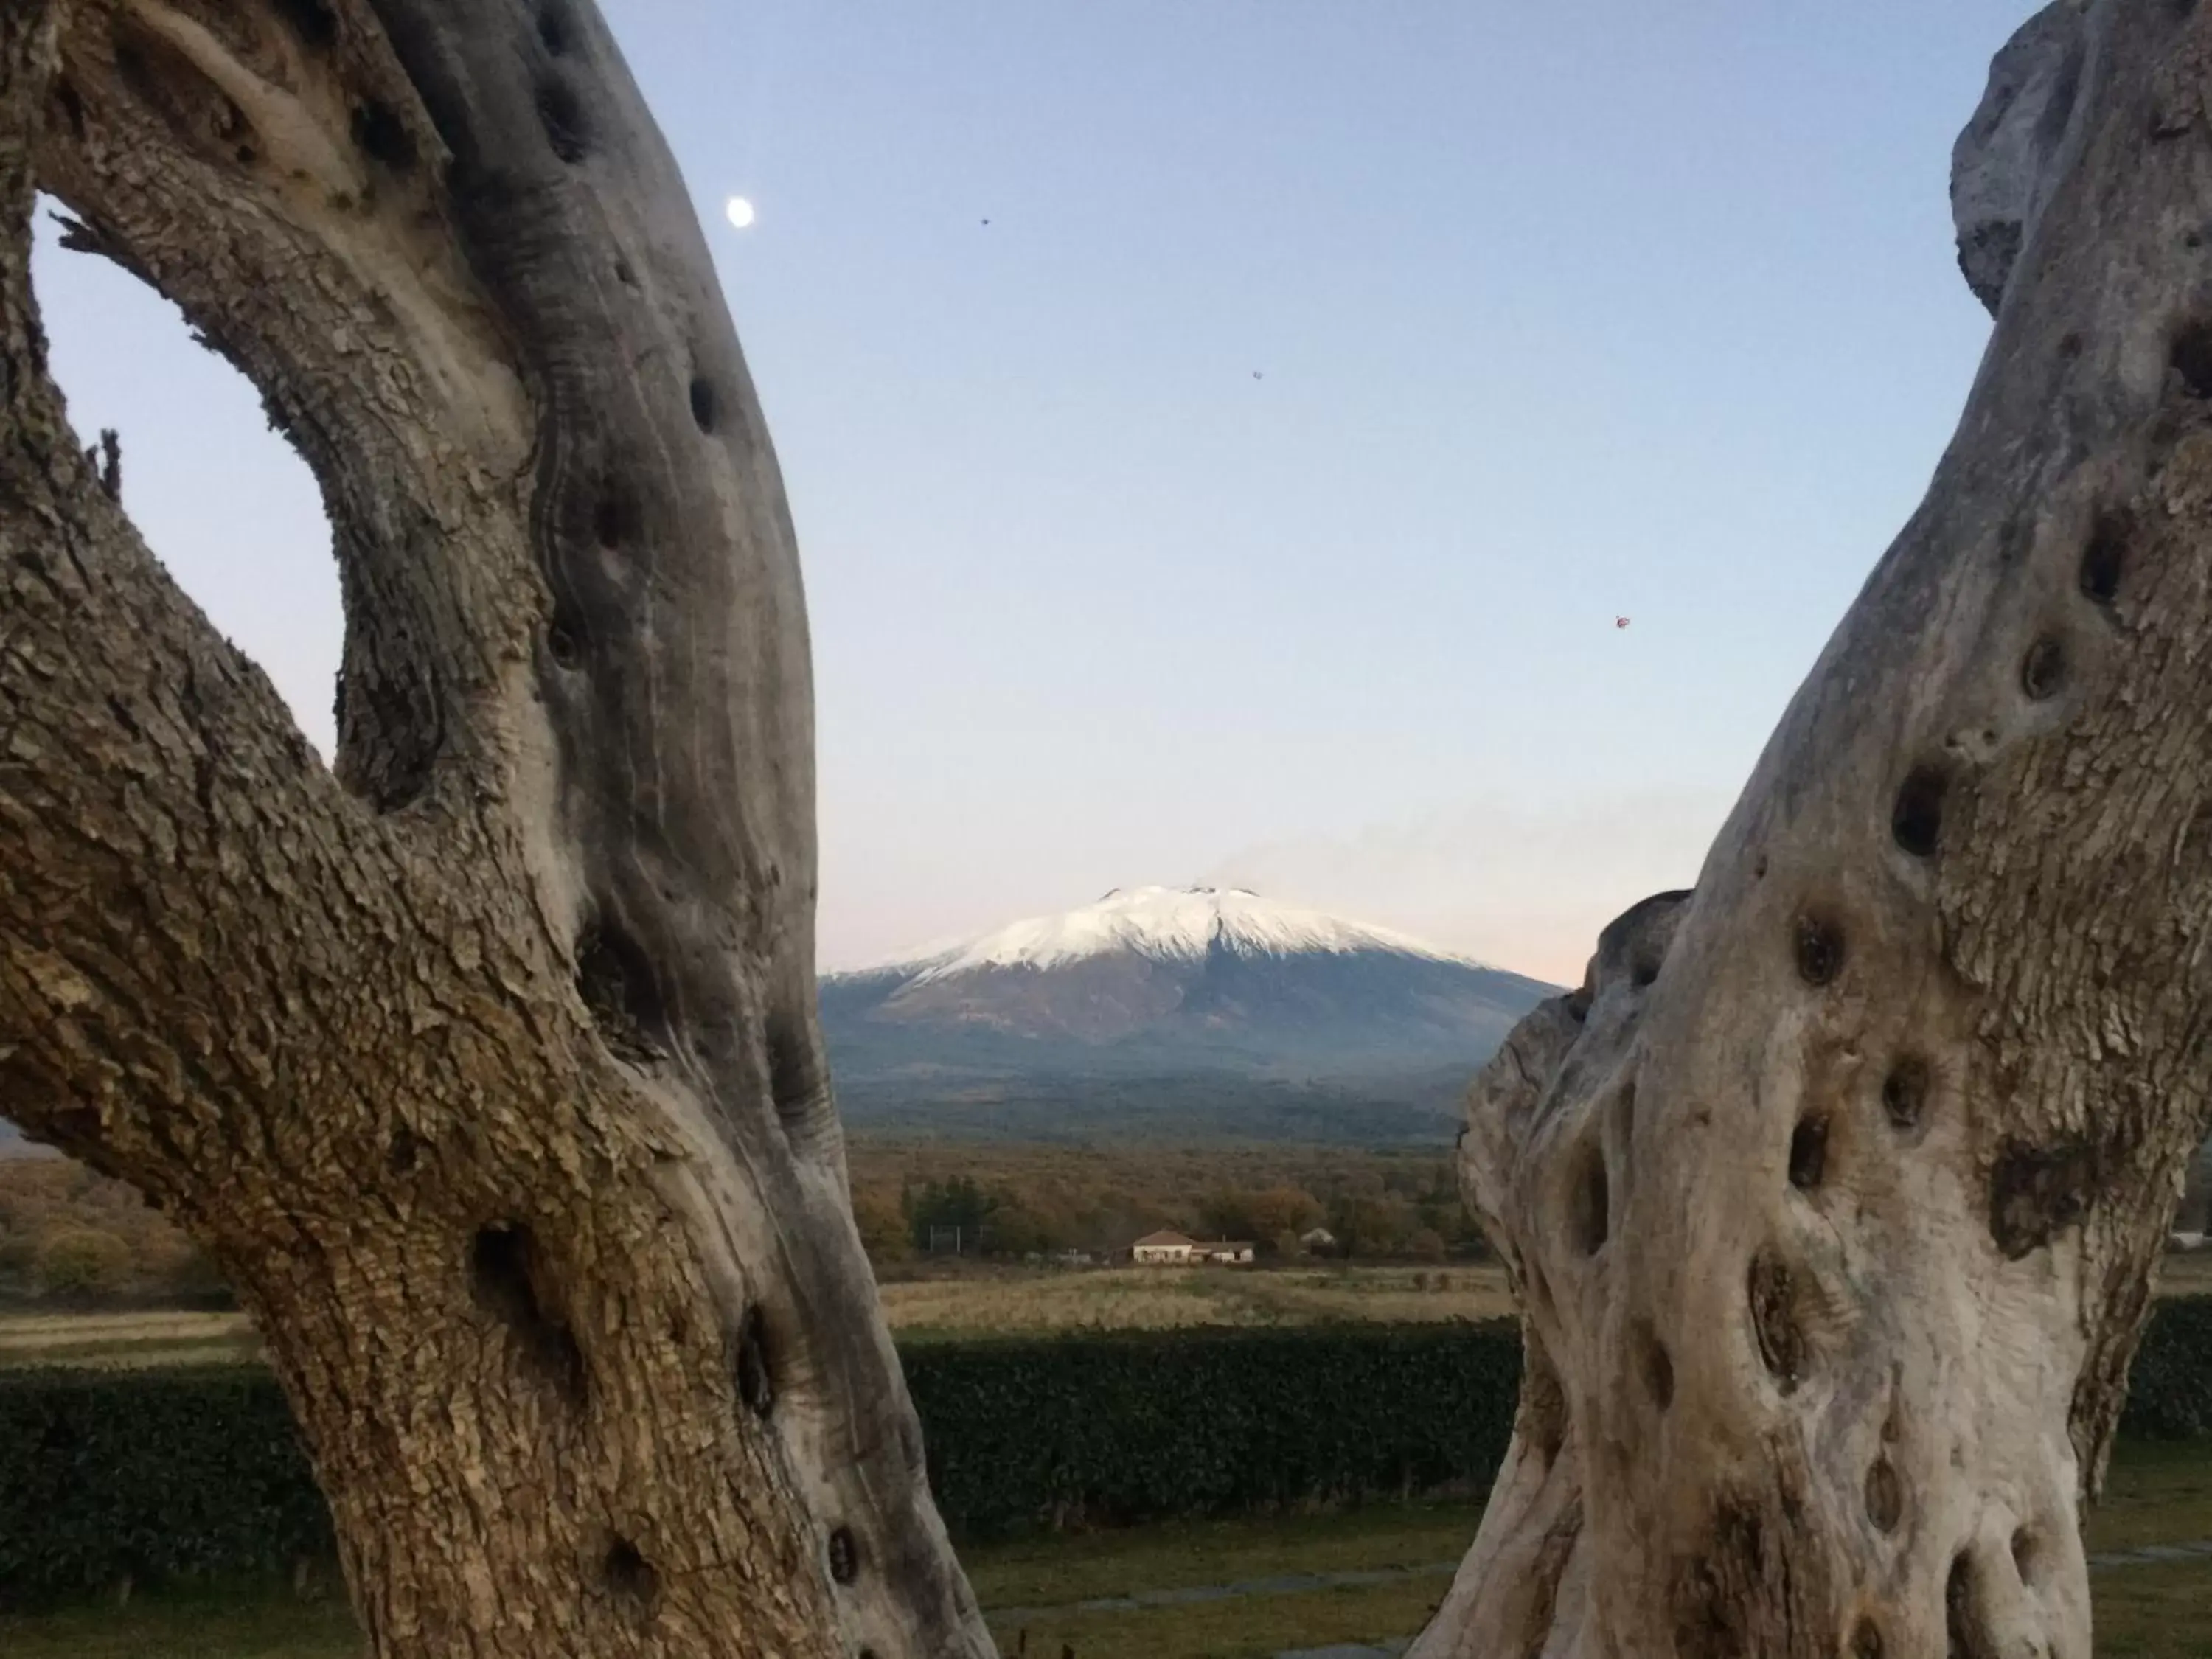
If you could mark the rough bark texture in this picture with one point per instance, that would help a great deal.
(485, 1062)
(1834, 1195)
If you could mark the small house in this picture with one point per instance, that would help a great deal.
(1161, 1249)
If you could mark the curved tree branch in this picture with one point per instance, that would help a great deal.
(486, 1063)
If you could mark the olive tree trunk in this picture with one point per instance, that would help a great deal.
(1833, 1196)
(485, 1062)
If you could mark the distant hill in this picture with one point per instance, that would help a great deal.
(1181, 1010)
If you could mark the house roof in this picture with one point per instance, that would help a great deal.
(1222, 1244)
(1162, 1237)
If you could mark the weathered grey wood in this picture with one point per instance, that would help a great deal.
(1834, 1195)
(486, 1062)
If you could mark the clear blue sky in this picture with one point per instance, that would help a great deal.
(1561, 313)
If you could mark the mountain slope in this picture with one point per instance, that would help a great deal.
(1191, 985)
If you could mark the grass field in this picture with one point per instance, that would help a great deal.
(142, 1337)
(2159, 1494)
(1007, 1303)
(1159, 1299)
(978, 1302)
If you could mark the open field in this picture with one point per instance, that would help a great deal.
(1156, 1298)
(963, 1304)
(2185, 1273)
(139, 1337)
(987, 1302)
(2159, 1494)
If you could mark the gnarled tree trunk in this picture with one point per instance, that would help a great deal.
(1834, 1195)
(486, 1065)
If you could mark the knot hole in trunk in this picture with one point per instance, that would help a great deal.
(505, 1275)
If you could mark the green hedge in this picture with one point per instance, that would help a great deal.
(1131, 1427)
(198, 1473)
(185, 1472)
(148, 1475)
(2170, 1384)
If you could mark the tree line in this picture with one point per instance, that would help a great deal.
(1014, 1201)
(68, 1234)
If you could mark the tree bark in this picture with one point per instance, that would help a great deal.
(484, 1061)
(1834, 1195)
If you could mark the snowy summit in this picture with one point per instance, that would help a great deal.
(1164, 924)
(1160, 987)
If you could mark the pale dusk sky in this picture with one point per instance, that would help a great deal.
(1253, 497)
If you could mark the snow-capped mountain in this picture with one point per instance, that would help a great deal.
(1166, 924)
(1159, 982)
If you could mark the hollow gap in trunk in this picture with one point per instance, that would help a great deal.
(1590, 1219)
(1965, 1625)
(504, 1273)
(2036, 1193)
(2104, 560)
(1808, 1151)
(844, 1556)
(560, 114)
(618, 987)
(704, 411)
(1818, 944)
(1771, 1291)
(1905, 1092)
(1658, 1364)
(383, 137)
(629, 1575)
(555, 28)
(1915, 822)
(617, 518)
(754, 1375)
(2043, 670)
(2191, 355)
(1885, 1495)
(311, 19)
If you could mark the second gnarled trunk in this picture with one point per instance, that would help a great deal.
(1834, 1195)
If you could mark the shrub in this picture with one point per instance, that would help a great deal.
(148, 1475)
(81, 1261)
(2170, 1385)
(1136, 1426)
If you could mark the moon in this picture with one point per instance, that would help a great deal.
(740, 212)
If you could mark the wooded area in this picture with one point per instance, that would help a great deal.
(69, 1233)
